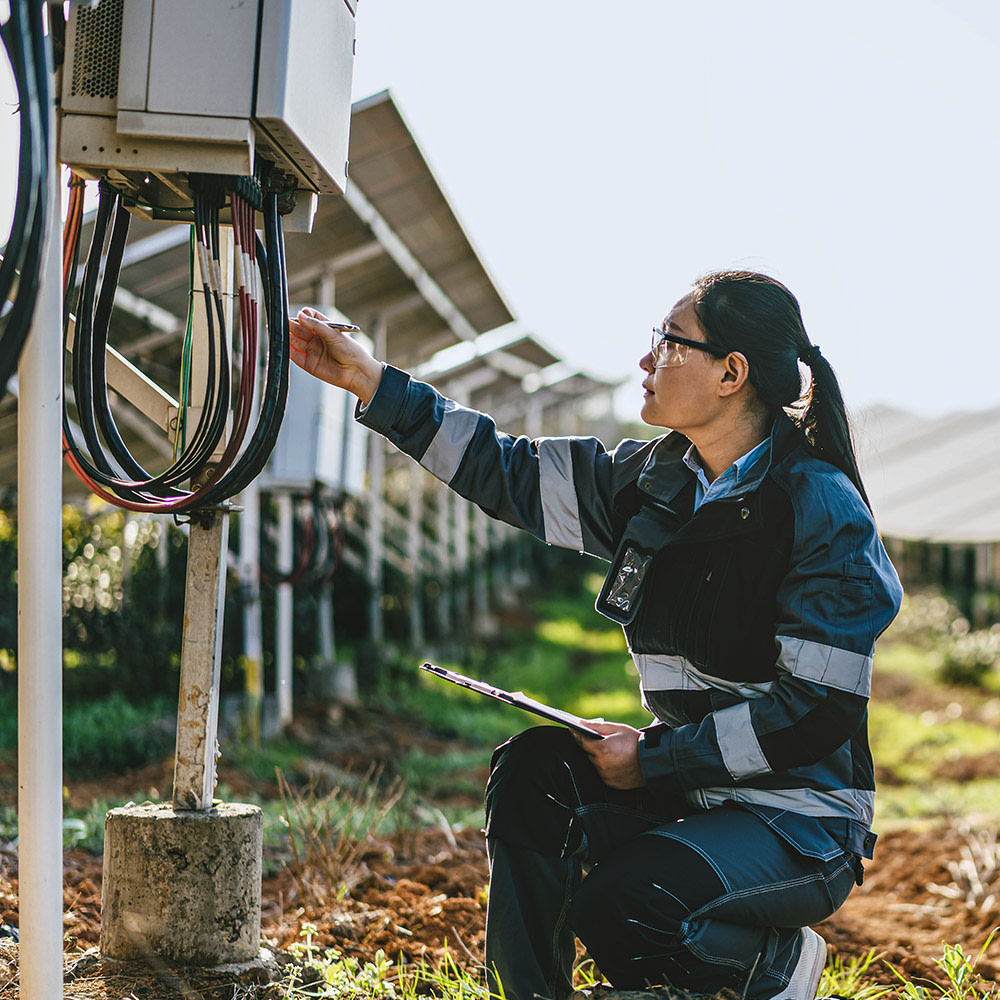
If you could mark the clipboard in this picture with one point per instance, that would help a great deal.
(516, 698)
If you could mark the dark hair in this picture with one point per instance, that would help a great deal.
(759, 317)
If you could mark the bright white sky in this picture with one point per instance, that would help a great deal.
(601, 156)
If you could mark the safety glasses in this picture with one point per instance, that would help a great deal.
(670, 351)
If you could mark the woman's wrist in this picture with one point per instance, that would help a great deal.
(368, 381)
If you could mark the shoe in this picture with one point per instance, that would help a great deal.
(804, 983)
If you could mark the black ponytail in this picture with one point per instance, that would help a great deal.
(759, 317)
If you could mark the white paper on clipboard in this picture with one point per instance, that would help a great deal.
(516, 698)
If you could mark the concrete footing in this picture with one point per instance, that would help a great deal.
(182, 886)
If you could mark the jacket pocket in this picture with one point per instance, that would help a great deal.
(806, 834)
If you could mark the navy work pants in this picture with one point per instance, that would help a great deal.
(695, 899)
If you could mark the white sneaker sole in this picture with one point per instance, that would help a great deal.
(804, 984)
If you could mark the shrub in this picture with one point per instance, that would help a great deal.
(925, 619)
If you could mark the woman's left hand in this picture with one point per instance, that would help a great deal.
(616, 757)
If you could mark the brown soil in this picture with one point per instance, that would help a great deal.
(419, 895)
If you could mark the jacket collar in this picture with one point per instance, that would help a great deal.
(665, 474)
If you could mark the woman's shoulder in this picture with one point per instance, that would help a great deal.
(822, 496)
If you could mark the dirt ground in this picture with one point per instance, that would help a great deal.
(419, 894)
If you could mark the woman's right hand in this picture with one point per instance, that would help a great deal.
(331, 355)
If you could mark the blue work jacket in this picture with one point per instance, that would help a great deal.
(751, 621)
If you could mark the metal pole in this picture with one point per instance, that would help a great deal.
(444, 559)
(326, 297)
(415, 511)
(481, 568)
(460, 514)
(283, 610)
(253, 643)
(249, 573)
(376, 507)
(39, 600)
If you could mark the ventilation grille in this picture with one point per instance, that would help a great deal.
(97, 49)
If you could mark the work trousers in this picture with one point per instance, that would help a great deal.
(694, 899)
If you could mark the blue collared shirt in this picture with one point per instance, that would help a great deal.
(730, 480)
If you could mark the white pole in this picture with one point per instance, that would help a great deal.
(415, 513)
(39, 599)
(249, 572)
(253, 643)
(284, 610)
(376, 507)
(460, 520)
(445, 529)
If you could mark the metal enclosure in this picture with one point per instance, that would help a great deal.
(320, 441)
(304, 72)
(153, 88)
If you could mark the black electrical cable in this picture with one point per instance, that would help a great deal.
(101, 324)
(111, 467)
(27, 47)
(83, 333)
(89, 373)
(271, 256)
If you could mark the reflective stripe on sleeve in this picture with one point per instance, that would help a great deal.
(738, 744)
(827, 665)
(560, 507)
(445, 452)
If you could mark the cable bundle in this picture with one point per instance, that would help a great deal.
(24, 39)
(318, 544)
(193, 480)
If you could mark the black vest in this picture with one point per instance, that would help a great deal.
(702, 585)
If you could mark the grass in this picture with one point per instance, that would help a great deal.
(109, 734)
(964, 981)
(328, 974)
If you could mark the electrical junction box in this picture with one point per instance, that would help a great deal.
(320, 441)
(153, 89)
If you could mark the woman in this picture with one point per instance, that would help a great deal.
(750, 581)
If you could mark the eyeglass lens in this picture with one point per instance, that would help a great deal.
(667, 354)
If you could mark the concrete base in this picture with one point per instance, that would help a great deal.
(182, 886)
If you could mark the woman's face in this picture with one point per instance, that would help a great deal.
(682, 398)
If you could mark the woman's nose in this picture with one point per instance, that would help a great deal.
(646, 362)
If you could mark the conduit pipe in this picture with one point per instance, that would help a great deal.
(39, 610)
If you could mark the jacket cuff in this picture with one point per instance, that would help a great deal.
(383, 408)
(655, 760)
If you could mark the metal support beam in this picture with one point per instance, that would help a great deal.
(283, 608)
(445, 575)
(481, 569)
(142, 392)
(253, 643)
(436, 298)
(376, 506)
(460, 518)
(415, 514)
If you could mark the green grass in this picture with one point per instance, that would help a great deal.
(108, 734)
(913, 747)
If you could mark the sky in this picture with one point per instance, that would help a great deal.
(602, 156)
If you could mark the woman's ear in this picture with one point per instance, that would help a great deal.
(735, 373)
